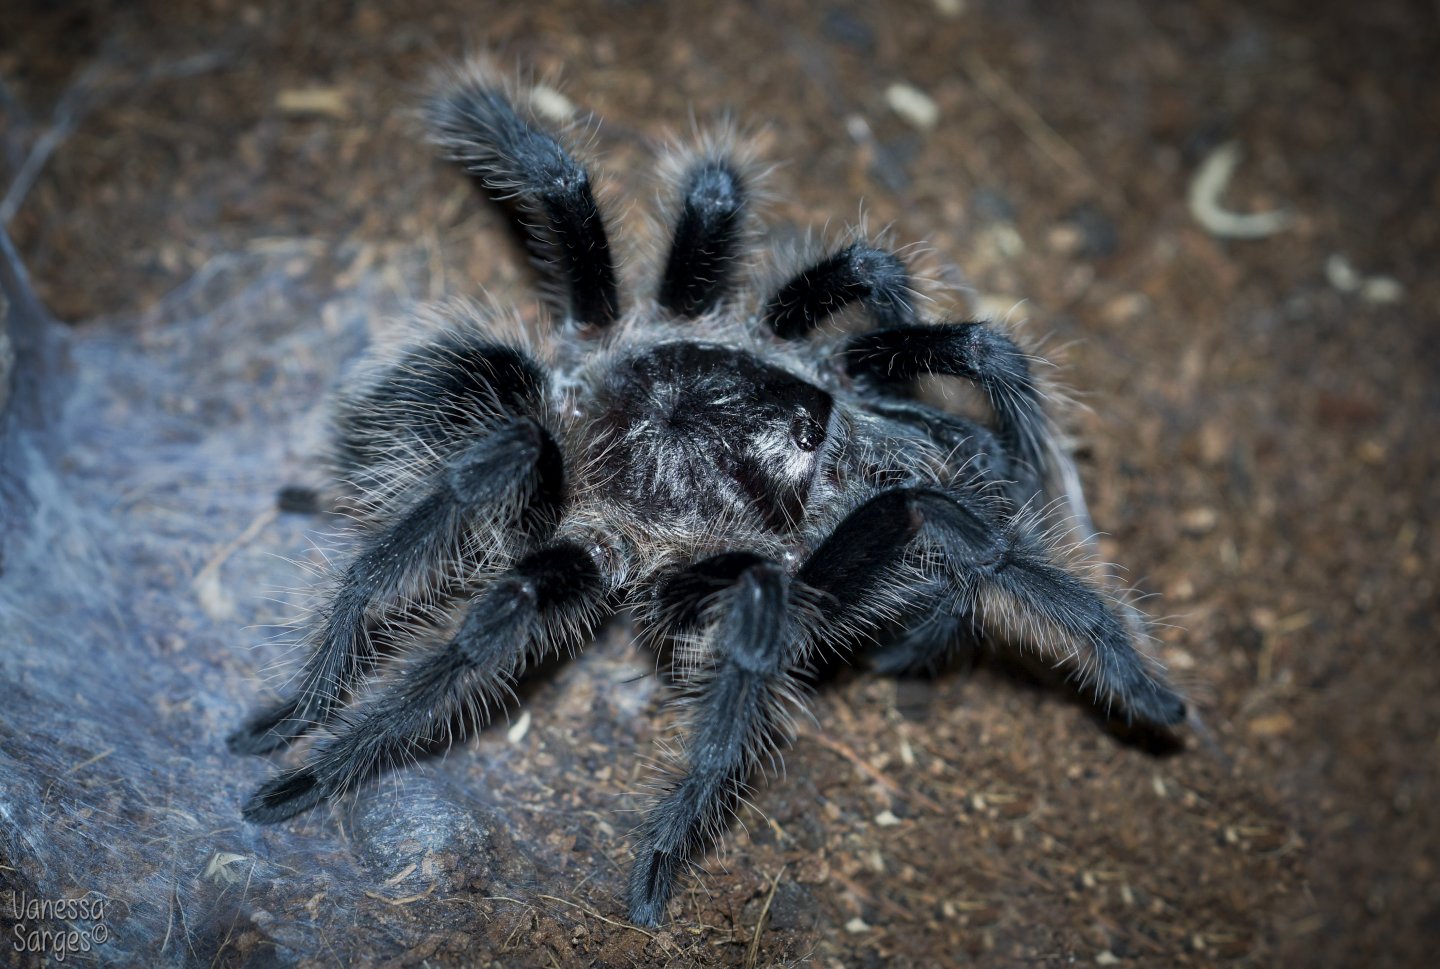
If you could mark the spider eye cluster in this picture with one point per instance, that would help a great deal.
(806, 432)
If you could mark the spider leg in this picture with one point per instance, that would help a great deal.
(706, 247)
(517, 466)
(931, 638)
(475, 124)
(739, 714)
(999, 571)
(876, 278)
(548, 599)
(895, 356)
(973, 451)
(433, 399)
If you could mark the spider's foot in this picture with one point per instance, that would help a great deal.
(1158, 704)
(652, 880)
(299, 500)
(269, 730)
(284, 796)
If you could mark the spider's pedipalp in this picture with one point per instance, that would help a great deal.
(738, 715)
(893, 358)
(475, 124)
(876, 278)
(526, 613)
(706, 247)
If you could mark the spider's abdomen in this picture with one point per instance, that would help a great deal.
(698, 432)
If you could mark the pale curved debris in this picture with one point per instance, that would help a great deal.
(1210, 183)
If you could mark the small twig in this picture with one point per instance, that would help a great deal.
(15, 284)
(880, 902)
(218, 559)
(68, 113)
(874, 772)
(407, 900)
(760, 922)
(173, 901)
(401, 875)
(86, 763)
(1036, 128)
(1269, 641)
(78, 99)
(17, 123)
(594, 914)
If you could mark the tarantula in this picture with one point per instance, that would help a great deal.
(760, 491)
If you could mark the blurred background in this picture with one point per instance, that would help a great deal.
(1220, 217)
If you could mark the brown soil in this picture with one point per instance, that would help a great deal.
(240, 198)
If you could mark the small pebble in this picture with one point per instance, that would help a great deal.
(551, 104)
(913, 104)
(1382, 289)
(1198, 521)
(519, 729)
(314, 101)
(1344, 277)
(1341, 274)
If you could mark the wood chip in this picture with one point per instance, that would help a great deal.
(329, 101)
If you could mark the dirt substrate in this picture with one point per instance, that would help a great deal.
(232, 204)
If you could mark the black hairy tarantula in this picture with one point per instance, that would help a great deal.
(759, 491)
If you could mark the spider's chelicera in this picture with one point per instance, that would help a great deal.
(761, 491)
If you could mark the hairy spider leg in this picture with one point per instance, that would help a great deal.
(876, 278)
(994, 567)
(509, 470)
(434, 399)
(706, 245)
(518, 459)
(933, 638)
(474, 124)
(739, 713)
(552, 598)
(1024, 460)
(891, 358)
